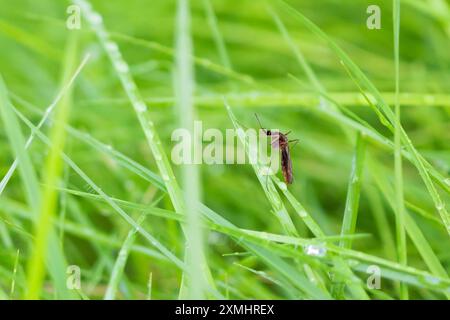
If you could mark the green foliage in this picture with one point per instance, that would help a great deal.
(370, 107)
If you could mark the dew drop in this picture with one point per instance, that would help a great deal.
(282, 186)
(315, 250)
(112, 46)
(95, 18)
(141, 107)
(432, 280)
(429, 100)
(440, 206)
(122, 67)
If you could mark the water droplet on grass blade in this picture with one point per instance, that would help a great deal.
(315, 250)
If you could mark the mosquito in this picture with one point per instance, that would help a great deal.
(282, 141)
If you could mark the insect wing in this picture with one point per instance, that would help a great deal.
(286, 165)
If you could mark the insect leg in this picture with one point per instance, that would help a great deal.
(295, 142)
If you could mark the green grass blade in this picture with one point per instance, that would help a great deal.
(399, 194)
(418, 161)
(218, 38)
(42, 122)
(269, 189)
(184, 86)
(152, 240)
(121, 260)
(351, 207)
(52, 174)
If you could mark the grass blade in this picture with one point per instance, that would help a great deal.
(399, 196)
(52, 174)
(422, 166)
(121, 260)
(184, 84)
(351, 207)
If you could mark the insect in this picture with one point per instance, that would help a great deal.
(281, 140)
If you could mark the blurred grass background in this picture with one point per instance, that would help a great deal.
(241, 54)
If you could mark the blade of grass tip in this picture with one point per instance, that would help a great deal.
(423, 167)
(351, 207)
(52, 172)
(13, 281)
(399, 193)
(149, 286)
(184, 86)
(119, 265)
(43, 120)
(271, 192)
(226, 61)
(63, 206)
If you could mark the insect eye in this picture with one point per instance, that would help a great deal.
(269, 132)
